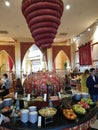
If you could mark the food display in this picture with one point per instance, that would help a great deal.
(69, 114)
(6, 109)
(84, 104)
(79, 109)
(47, 112)
(88, 101)
(39, 98)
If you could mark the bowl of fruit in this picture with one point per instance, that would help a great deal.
(78, 109)
(69, 114)
(85, 95)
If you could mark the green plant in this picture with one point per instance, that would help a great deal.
(65, 65)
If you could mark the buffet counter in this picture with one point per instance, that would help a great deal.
(83, 122)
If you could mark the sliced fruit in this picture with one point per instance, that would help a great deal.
(69, 114)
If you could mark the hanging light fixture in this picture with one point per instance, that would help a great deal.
(43, 19)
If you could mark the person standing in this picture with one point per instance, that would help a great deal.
(19, 87)
(84, 77)
(6, 84)
(92, 84)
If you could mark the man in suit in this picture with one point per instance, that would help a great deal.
(92, 84)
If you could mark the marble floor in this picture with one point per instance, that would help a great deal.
(95, 125)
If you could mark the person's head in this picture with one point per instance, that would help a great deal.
(86, 71)
(5, 75)
(18, 81)
(92, 71)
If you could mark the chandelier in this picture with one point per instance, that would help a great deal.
(43, 18)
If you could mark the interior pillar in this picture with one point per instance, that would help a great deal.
(17, 59)
(49, 57)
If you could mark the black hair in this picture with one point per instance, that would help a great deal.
(5, 75)
(91, 70)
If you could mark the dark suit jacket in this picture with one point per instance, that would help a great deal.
(90, 84)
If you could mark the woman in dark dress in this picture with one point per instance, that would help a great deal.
(19, 87)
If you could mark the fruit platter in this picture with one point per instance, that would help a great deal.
(72, 112)
(69, 114)
(79, 109)
(88, 101)
(83, 104)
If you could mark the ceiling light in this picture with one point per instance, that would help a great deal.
(7, 3)
(74, 39)
(67, 7)
(89, 30)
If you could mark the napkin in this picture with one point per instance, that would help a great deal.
(1, 118)
(4, 118)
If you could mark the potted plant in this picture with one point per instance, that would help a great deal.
(65, 65)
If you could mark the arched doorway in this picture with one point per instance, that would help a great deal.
(6, 62)
(60, 59)
(33, 60)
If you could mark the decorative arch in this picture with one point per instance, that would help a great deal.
(10, 49)
(9, 60)
(57, 49)
(60, 59)
(24, 46)
(10, 63)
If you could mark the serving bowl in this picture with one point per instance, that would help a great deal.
(1, 104)
(85, 95)
(47, 112)
(7, 102)
(77, 97)
(6, 111)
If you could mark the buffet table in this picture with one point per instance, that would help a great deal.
(59, 122)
